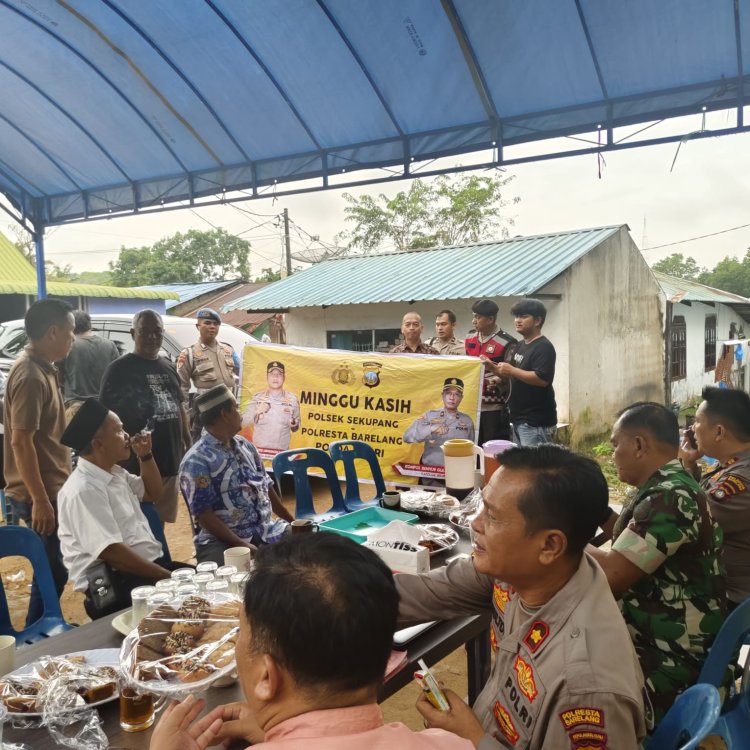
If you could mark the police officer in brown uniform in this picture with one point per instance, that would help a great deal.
(207, 362)
(722, 431)
(274, 413)
(565, 673)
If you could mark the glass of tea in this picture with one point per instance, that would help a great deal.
(138, 710)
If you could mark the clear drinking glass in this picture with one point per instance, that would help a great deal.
(187, 589)
(166, 586)
(139, 597)
(206, 567)
(220, 584)
(226, 571)
(237, 584)
(183, 575)
(157, 599)
(202, 579)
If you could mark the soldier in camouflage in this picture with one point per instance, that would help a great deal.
(665, 561)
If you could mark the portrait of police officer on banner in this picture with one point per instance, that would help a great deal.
(436, 426)
(273, 414)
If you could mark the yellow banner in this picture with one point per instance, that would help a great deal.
(403, 405)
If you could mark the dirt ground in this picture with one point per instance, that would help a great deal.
(16, 577)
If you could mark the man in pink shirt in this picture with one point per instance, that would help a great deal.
(315, 636)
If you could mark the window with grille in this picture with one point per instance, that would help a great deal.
(710, 343)
(679, 348)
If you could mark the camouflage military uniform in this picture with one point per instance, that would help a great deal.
(676, 609)
(436, 426)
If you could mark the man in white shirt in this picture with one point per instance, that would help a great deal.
(99, 508)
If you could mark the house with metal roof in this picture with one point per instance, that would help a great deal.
(705, 337)
(604, 308)
(18, 289)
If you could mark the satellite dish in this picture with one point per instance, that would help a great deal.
(316, 254)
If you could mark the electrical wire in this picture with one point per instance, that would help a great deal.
(693, 239)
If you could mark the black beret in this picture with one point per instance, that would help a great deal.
(86, 421)
(485, 307)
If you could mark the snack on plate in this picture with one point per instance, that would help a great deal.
(429, 503)
(188, 644)
(62, 682)
(437, 537)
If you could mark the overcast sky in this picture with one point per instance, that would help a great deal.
(708, 191)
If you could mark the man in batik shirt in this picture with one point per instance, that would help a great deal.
(231, 497)
(665, 561)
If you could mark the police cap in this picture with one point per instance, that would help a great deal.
(275, 366)
(456, 383)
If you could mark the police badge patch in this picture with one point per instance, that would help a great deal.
(371, 374)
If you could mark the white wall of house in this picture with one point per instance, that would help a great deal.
(615, 326)
(606, 327)
(695, 314)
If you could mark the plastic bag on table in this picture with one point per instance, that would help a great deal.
(470, 508)
(182, 647)
(436, 504)
(73, 725)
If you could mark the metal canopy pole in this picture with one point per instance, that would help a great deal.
(41, 281)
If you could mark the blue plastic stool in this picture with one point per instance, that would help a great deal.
(348, 451)
(690, 719)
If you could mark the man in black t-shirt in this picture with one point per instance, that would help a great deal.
(533, 411)
(143, 389)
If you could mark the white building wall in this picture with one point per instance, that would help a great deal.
(615, 330)
(695, 315)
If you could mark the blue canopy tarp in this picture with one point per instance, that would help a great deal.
(112, 106)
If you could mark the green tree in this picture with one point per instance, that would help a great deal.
(98, 278)
(445, 211)
(730, 274)
(269, 274)
(183, 258)
(678, 265)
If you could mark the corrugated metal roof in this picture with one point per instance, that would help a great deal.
(513, 267)
(186, 292)
(680, 290)
(18, 277)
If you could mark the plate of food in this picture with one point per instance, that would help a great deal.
(88, 679)
(437, 537)
(182, 647)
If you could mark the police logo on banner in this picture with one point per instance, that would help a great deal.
(371, 374)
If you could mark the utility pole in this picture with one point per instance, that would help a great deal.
(287, 243)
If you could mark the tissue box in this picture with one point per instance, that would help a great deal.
(400, 556)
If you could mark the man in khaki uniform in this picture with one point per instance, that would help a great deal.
(411, 330)
(207, 363)
(274, 413)
(436, 426)
(445, 341)
(36, 463)
(565, 674)
(722, 431)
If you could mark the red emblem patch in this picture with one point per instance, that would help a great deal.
(505, 723)
(490, 349)
(501, 597)
(588, 740)
(536, 636)
(525, 678)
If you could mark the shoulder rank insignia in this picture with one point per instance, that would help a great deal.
(536, 636)
(525, 679)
